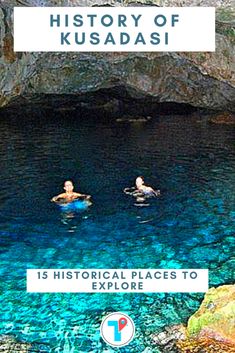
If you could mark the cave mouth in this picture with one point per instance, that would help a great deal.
(114, 103)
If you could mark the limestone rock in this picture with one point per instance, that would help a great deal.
(204, 346)
(204, 80)
(210, 330)
(167, 340)
(215, 318)
(216, 3)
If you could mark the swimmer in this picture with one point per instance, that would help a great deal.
(69, 195)
(140, 191)
(146, 190)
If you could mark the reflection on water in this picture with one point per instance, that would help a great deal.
(190, 225)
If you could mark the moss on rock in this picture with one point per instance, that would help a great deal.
(215, 318)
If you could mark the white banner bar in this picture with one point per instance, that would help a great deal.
(113, 29)
(117, 280)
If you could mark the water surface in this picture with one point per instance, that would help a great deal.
(190, 226)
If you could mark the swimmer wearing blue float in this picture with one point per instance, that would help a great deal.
(69, 195)
(146, 190)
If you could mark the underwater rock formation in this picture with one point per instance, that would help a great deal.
(204, 80)
(168, 339)
(211, 329)
(225, 119)
(8, 344)
(133, 119)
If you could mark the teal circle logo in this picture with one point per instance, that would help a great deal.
(117, 329)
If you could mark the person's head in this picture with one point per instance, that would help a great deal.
(68, 186)
(139, 182)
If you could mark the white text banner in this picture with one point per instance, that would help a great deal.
(114, 29)
(117, 280)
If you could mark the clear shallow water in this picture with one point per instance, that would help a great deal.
(190, 226)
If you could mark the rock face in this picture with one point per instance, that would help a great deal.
(199, 79)
(215, 318)
(203, 346)
(211, 329)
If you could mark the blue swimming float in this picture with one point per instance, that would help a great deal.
(76, 205)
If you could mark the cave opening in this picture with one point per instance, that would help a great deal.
(107, 104)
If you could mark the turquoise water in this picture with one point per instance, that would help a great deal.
(190, 226)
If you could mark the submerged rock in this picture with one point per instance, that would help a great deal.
(8, 344)
(167, 340)
(224, 119)
(133, 119)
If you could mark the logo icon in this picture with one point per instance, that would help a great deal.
(117, 329)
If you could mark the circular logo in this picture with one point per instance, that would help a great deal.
(117, 329)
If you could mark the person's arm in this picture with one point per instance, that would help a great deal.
(77, 194)
(157, 192)
(82, 196)
(55, 198)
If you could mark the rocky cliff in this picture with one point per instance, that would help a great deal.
(211, 329)
(204, 80)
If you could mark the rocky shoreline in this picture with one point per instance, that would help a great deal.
(211, 329)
